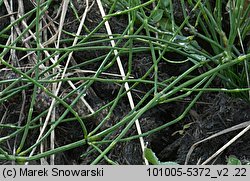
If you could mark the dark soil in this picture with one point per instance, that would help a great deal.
(220, 113)
(213, 113)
